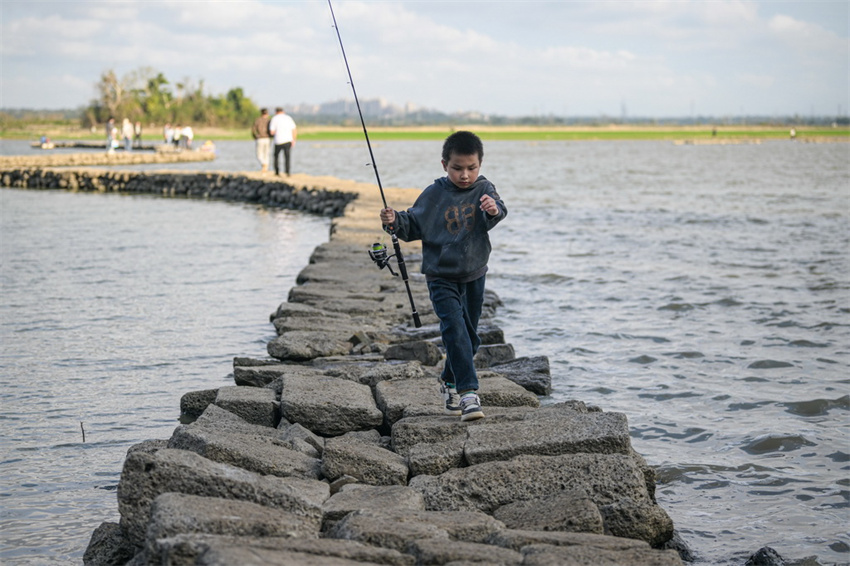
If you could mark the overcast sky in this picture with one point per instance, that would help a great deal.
(514, 58)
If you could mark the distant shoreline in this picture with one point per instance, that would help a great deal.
(490, 133)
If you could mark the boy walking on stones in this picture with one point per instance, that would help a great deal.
(452, 217)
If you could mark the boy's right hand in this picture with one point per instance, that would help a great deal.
(388, 216)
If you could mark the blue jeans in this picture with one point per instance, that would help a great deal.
(458, 306)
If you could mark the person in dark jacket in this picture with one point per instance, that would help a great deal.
(452, 217)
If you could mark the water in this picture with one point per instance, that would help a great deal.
(701, 290)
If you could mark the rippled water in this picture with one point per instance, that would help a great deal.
(701, 290)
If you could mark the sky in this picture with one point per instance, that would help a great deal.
(661, 58)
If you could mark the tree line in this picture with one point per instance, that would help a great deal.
(148, 96)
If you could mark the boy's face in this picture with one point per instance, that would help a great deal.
(462, 169)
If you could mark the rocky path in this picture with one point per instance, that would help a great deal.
(334, 450)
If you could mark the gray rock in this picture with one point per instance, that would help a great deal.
(261, 376)
(425, 353)
(493, 354)
(394, 397)
(145, 476)
(193, 403)
(262, 454)
(394, 371)
(568, 432)
(408, 397)
(434, 459)
(328, 406)
(547, 555)
(296, 435)
(221, 555)
(560, 511)
(394, 529)
(517, 539)
(255, 405)
(175, 514)
(369, 463)
(302, 345)
(148, 446)
(440, 551)
(108, 546)
(532, 373)
(497, 391)
(298, 310)
(641, 519)
(219, 420)
(488, 486)
(359, 497)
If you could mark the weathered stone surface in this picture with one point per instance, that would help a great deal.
(393, 397)
(327, 405)
(532, 373)
(258, 453)
(560, 511)
(547, 555)
(517, 539)
(301, 345)
(175, 514)
(253, 556)
(489, 355)
(434, 459)
(639, 519)
(297, 436)
(425, 353)
(193, 403)
(219, 420)
(359, 497)
(262, 375)
(108, 546)
(440, 551)
(245, 550)
(401, 398)
(566, 432)
(369, 463)
(606, 478)
(392, 528)
(145, 476)
(256, 405)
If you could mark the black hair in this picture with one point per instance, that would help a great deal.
(463, 143)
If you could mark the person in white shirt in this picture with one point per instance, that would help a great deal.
(283, 130)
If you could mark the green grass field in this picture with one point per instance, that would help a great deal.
(487, 133)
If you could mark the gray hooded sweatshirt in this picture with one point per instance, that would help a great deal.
(452, 227)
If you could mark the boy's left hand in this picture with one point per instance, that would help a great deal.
(488, 205)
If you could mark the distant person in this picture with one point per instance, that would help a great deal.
(284, 131)
(127, 134)
(178, 132)
(453, 218)
(110, 134)
(137, 135)
(793, 134)
(260, 132)
(168, 134)
(186, 137)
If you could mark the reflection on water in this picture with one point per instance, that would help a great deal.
(700, 290)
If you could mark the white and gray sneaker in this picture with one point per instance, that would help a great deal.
(451, 399)
(470, 407)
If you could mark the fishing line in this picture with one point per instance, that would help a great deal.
(378, 252)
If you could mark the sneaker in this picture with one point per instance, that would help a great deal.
(451, 398)
(470, 407)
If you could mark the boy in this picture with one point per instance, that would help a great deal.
(452, 218)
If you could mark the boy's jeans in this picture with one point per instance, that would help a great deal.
(458, 306)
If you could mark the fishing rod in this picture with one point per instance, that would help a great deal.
(378, 252)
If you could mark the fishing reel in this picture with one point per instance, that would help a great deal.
(378, 254)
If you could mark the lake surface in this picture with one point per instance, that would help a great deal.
(704, 291)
